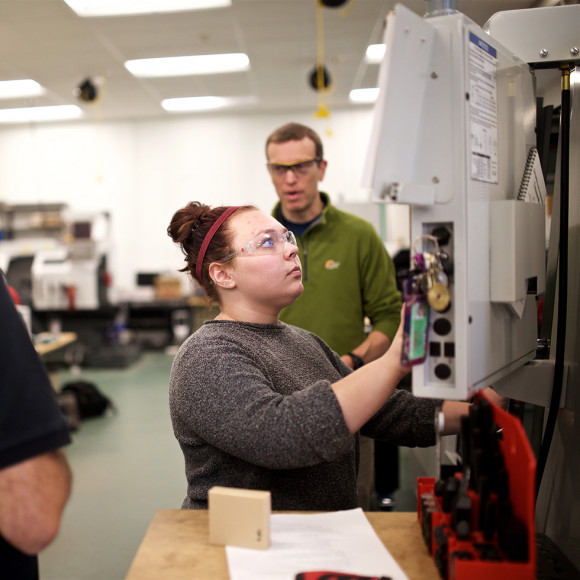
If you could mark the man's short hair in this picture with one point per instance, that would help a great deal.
(296, 132)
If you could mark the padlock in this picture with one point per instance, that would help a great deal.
(434, 284)
(438, 297)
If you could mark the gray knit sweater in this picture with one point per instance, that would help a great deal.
(252, 407)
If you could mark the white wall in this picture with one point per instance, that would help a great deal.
(142, 172)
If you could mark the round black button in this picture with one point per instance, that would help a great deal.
(442, 371)
(442, 234)
(442, 326)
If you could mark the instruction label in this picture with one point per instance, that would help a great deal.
(483, 109)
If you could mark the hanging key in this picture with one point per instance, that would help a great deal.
(434, 282)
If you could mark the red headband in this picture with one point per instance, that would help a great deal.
(209, 236)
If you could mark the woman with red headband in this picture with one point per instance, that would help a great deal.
(259, 404)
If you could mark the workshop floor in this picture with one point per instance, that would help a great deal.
(126, 466)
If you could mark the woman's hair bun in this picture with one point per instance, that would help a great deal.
(187, 220)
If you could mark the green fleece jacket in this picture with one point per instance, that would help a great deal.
(347, 274)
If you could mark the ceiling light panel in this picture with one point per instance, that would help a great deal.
(188, 65)
(364, 96)
(39, 114)
(192, 104)
(185, 104)
(92, 8)
(20, 89)
(375, 53)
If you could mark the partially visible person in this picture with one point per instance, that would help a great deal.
(257, 403)
(348, 273)
(35, 477)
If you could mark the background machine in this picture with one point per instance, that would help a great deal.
(74, 275)
(460, 135)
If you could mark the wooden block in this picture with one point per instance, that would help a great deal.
(239, 517)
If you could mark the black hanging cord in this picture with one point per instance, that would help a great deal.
(562, 278)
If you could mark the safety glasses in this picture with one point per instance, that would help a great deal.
(266, 243)
(300, 168)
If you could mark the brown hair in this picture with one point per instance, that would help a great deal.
(189, 227)
(296, 132)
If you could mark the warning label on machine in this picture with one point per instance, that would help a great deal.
(483, 110)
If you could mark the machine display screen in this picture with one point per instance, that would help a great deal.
(82, 230)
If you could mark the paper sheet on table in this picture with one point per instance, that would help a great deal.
(341, 541)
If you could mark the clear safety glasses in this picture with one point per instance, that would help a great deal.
(300, 168)
(266, 243)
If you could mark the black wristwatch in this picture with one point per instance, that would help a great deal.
(357, 361)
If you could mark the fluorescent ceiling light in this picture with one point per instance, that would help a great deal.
(185, 104)
(21, 88)
(192, 104)
(364, 96)
(174, 66)
(90, 8)
(31, 114)
(375, 53)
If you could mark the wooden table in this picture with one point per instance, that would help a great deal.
(176, 547)
(61, 340)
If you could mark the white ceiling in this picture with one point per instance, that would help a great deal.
(44, 40)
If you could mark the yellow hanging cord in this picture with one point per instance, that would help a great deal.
(346, 11)
(322, 109)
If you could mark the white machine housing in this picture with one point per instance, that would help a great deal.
(453, 129)
(72, 276)
(53, 273)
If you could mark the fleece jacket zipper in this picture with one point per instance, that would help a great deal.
(304, 242)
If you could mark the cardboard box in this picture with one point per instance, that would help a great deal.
(239, 517)
(168, 288)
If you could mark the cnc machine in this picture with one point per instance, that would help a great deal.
(456, 137)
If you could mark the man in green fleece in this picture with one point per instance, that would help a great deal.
(347, 273)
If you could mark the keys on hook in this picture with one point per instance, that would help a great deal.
(426, 287)
(432, 278)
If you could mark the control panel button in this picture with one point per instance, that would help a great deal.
(434, 349)
(442, 372)
(442, 326)
(449, 349)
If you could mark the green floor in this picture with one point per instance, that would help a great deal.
(126, 466)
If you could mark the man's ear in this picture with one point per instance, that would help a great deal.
(220, 274)
(322, 169)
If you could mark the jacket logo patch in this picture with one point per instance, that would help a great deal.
(331, 265)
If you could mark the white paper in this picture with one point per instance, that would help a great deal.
(342, 541)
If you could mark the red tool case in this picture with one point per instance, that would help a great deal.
(479, 523)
